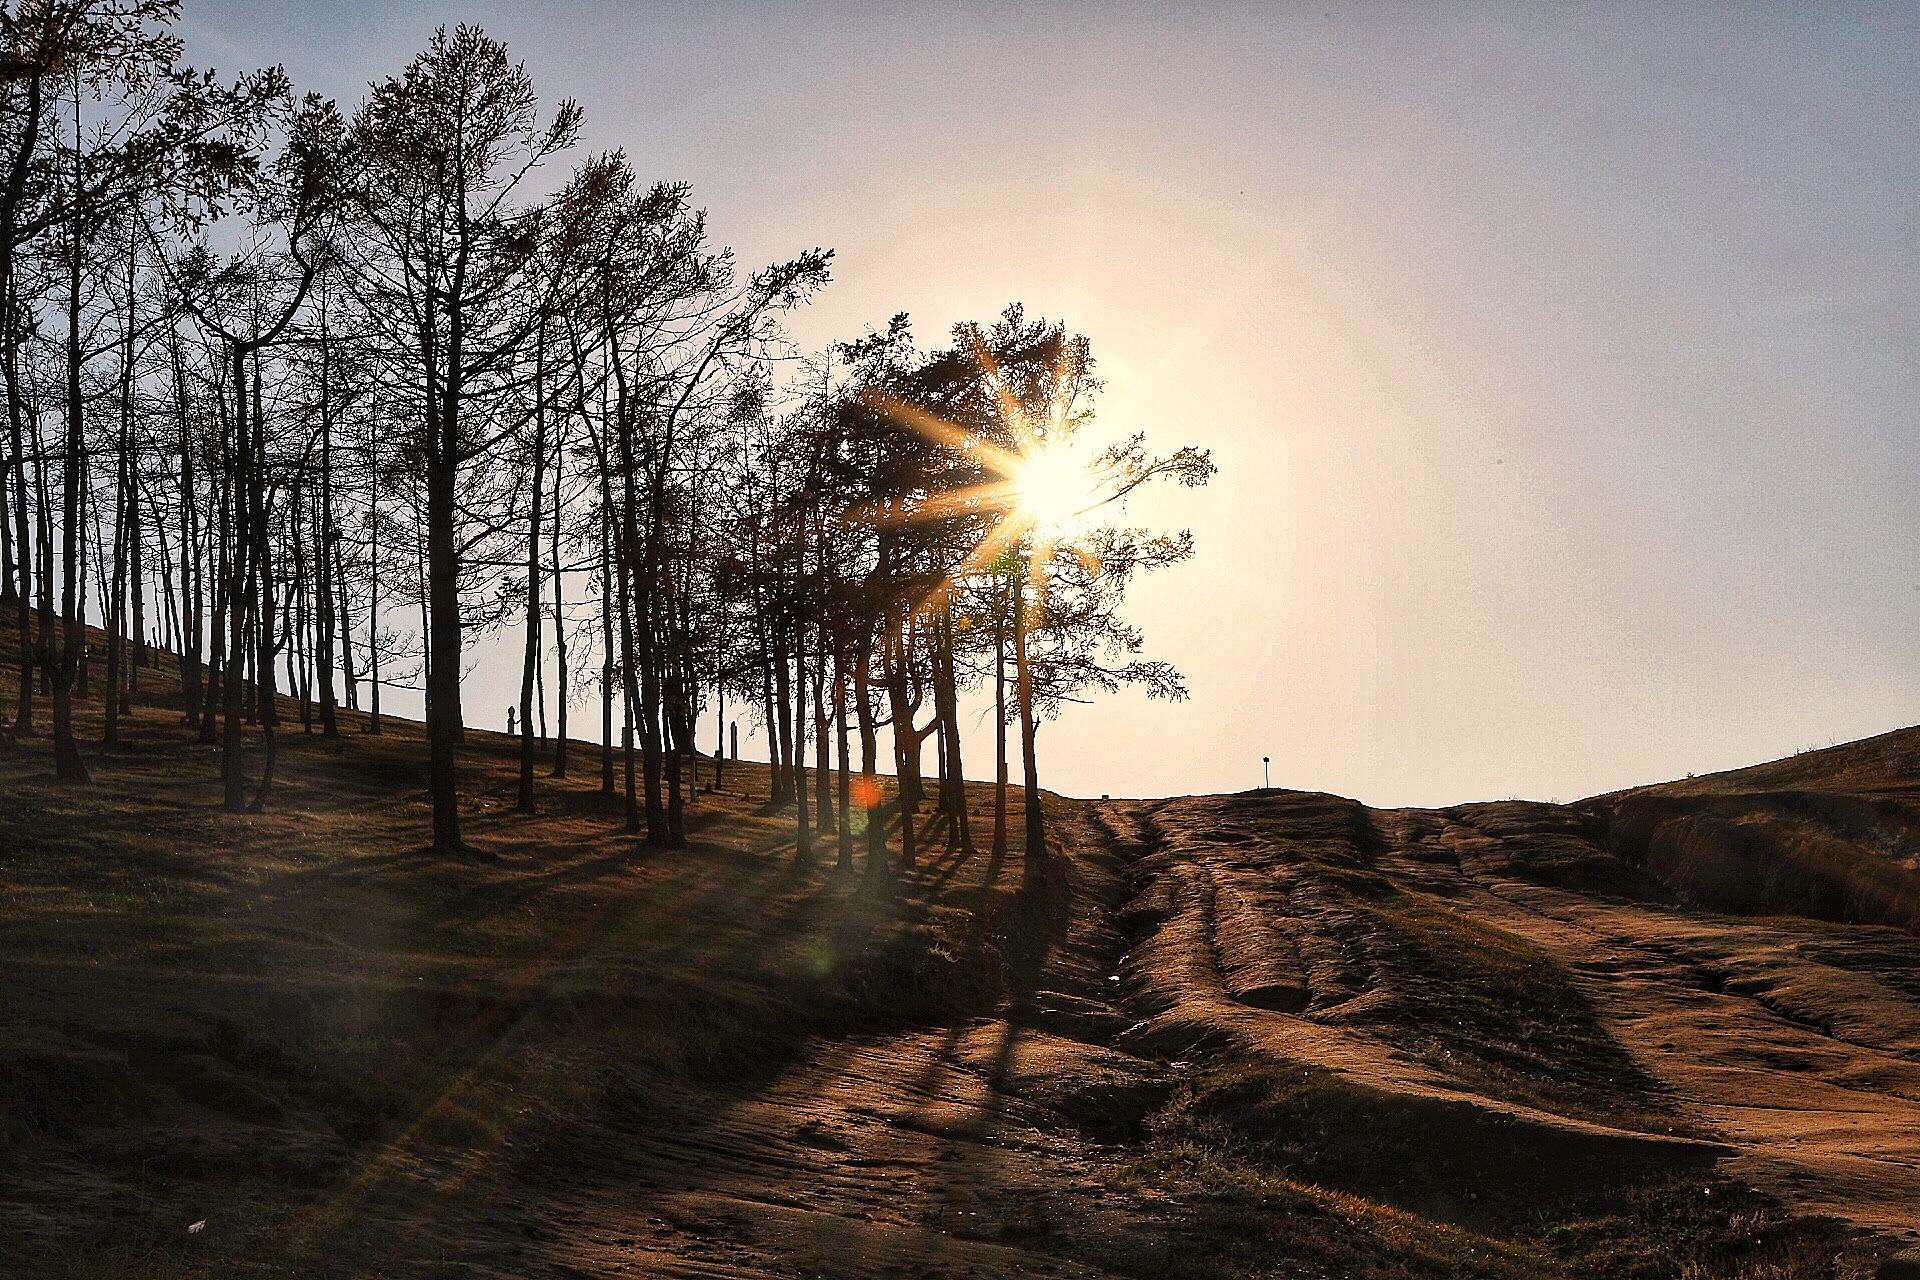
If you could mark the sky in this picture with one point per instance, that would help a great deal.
(1559, 362)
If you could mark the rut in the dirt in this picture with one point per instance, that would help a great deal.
(1417, 959)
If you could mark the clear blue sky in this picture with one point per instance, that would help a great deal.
(1560, 361)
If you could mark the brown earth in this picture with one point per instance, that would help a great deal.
(1273, 1035)
(1578, 1034)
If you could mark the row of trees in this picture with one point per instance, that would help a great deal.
(313, 400)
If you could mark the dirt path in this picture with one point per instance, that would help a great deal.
(936, 1152)
(879, 1156)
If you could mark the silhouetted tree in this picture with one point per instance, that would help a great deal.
(312, 401)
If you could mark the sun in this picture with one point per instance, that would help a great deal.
(1052, 487)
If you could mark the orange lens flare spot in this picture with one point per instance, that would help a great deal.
(866, 793)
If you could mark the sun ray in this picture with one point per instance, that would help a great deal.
(1014, 412)
(942, 432)
(995, 495)
(1036, 587)
(1089, 559)
(1005, 532)
(1045, 487)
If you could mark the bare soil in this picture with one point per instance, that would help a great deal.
(1273, 1035)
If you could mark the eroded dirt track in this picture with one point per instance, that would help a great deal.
(1778, 1035)
(1396, 951)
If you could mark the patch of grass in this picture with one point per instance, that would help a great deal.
(1811, 853)
(1702, 1230)
(1893, 958)
(1254, 1220)
(1301, 1160)
(1557, 845)
(119, 1262)
(1492, 1010)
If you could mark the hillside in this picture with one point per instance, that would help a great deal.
(1833, 834)
(1268, 1034)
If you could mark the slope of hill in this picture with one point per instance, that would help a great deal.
(1718, 972)
(1274, 1034)
(1833, 834)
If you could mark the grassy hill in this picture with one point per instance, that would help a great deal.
(1222, 1037)
(1832, 834)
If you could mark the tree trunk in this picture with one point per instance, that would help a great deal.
(444, 643)
(530, 659)
(16, 439)
(562, 687)
(766, 710)
(373, 585)
(45, 649)
(115, 611)
(68, 766)
(822, 770)
(953, 781)
(630, 686)
(841, 743)
(659, 829)
(238, 574)
(328, 620)
(999, 744)
(869, 762)
(190, 580)
(220, 551)
(803, 831)
(676, 756)
(906, 745)
(262, 596)
(1036, 848)
(783, 777)
(606, 650)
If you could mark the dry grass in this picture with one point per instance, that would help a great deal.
(349, 1056)
(214, 1016)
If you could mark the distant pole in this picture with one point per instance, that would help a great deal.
(736, 739)
(1266, 772)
